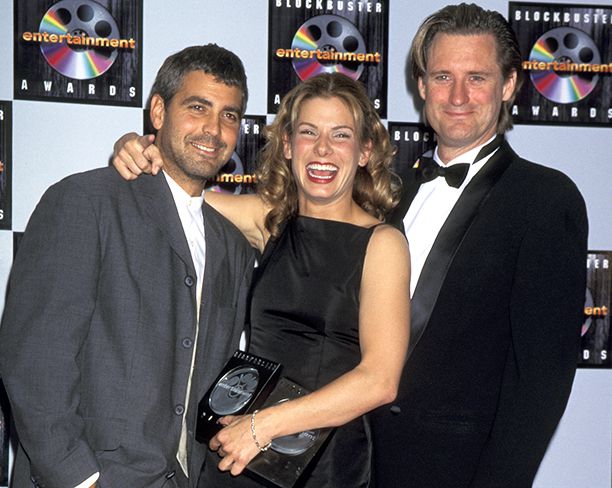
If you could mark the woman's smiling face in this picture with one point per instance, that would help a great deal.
(325, 151)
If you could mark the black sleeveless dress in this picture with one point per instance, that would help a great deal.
(304, 313)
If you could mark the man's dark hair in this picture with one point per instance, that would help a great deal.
(211, 59)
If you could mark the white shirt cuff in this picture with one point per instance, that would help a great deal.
(89, 481)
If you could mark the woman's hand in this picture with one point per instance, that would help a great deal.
(235, 444)
(134, 155)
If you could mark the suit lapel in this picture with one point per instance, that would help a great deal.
(215, 255)
(410, 189)
(449, 240)
(156, 198)
(211, 333)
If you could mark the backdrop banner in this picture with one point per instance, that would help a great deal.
(81, 51)
(309, 38)
(411, 140)
(567, 58)
(596, 341)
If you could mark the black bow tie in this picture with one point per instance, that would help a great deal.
(427, 169)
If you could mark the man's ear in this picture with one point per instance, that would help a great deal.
(509, 86)
(157, 112)
(421, 85)
(286, 146)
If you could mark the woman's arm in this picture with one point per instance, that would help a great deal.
(247, 212)
(383, 335)
(134, 155)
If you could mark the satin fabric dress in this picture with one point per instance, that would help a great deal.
(304, 313)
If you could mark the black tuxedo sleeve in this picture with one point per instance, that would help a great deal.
(546, 311)
(46, 319)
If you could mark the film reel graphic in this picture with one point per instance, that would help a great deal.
(79, 18)
(234, 390)
(565, 45)
(232, 168)
(328, 33)
(295, 444)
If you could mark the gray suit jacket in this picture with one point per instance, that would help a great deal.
(98, 332)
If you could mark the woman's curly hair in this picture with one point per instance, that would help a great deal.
(376, 188)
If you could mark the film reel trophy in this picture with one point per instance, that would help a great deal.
(79, 18)
(288, 456)
(564, 45)
(234, 390)
(300, 442)
(328, 33)
(244, 383)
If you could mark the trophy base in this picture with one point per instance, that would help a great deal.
(288, 457)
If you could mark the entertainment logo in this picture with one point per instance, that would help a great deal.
(565, 63)
(80, 41)
(328, 44)
(312, 37)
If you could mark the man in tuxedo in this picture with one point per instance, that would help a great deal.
(498, 276)
(127, 297)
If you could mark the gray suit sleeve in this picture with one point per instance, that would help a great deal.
(51, 298)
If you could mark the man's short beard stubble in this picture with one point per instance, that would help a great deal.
(202, 168)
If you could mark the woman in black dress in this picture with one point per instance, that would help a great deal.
(330, 298)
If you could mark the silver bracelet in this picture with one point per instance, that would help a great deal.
(267, 446)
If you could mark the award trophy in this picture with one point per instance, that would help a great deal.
(243, 384)
(288, 456)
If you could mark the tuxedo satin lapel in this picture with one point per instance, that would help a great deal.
(449, 240)
(409, 191)
(156, 198)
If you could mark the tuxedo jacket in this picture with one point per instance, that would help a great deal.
(495, 324)
(99, 327)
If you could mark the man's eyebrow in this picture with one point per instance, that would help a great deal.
(444, 71)
(233, 108)
(208, 103)
(195, 98)
(480, 72)
(437, 71)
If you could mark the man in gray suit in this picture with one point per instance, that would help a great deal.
(127, 297)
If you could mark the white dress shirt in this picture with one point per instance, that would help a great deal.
(190, 212)
(431, 207)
